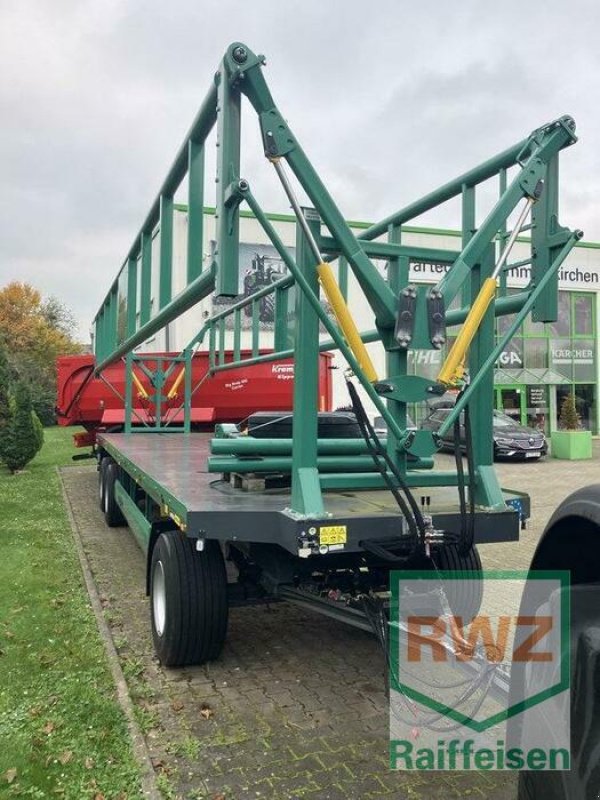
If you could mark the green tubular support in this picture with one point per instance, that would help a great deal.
(146, 294)
(306, 492)
(248, 446)
(228, 170)
(166, 251)
(195, 209)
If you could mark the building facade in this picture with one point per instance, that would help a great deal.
(540, 366)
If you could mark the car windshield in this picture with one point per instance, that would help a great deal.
(503, 420)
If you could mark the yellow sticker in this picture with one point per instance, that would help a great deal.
(333, 534)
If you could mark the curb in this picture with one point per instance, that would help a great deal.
(140, 750)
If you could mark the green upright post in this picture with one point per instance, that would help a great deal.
(195, 209)
(544, 217)
(343, 276)
(166, 251)
(146, 293)
(131, 295)
(397, 360)
(129, 392)
(306, 489)
(487, 488)
(187, 389)
(228, 170)
(280, 338)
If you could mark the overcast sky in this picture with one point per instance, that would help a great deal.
(388, 98)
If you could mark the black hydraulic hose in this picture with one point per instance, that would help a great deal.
(467, 520)
(413, 515)
(460, 482)
(469, 539)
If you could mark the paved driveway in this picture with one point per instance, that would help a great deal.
(296, 706)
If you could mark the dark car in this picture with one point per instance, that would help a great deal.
(510, 439)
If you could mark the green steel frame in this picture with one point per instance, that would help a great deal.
(123, 323)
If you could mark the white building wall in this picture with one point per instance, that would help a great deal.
(581, 272)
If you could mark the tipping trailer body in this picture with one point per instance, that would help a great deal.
(97, 403)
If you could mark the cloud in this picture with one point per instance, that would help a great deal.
(388, 100)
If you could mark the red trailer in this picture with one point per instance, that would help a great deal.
(97, 402)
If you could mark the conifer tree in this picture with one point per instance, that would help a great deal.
(18, 439)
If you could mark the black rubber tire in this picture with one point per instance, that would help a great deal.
(112, 513)
(101, 479)
(194, 605)
(583, 779)
(464, 598)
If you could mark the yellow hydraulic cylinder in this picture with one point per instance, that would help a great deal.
(345, 320)
(176, 384)
(141, 391)
(453, 367)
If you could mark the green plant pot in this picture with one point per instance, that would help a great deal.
(572, 445)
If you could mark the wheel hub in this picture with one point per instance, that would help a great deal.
(159, 603)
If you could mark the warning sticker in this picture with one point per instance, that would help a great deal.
(333, 534)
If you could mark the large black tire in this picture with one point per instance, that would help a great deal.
(112, 513)
(188, 600)
(465, 597)
(104, 461)
(583, 779)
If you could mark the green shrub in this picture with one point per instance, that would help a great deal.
(4, 387)
(39, 431)
(18, 439)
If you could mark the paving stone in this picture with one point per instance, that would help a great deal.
(276, 677)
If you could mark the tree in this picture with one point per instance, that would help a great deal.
(19, 440)
(569, 418)
(35, 332)
(4, 387)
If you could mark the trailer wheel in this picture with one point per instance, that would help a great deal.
(102, 479)
(465, 597)
(188, 600)
(112, 513)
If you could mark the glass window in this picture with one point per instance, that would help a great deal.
(582, 356)
(562, 326)
(561, 357)
(583, 321)
(536, 353)
(512, 355)
(533, 328)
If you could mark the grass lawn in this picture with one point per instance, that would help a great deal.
(62, 731)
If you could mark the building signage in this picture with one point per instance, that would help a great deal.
(569, 277)
(572, 355)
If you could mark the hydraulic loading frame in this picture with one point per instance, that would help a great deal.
(406, 317)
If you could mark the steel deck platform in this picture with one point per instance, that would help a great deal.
(172, 469)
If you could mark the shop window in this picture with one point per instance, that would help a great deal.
(562, 326)
(585, 398)
(583, 320)
(533, 328)
(536, 353)
(582, 356)
(561, 358)
(512, 355)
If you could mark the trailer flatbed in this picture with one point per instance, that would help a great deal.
(172, 469)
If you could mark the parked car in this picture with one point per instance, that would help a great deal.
(511, 440)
